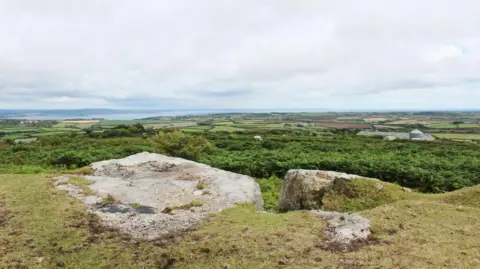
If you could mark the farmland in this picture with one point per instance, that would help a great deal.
(344, 125)
(226, 129)
(446, 125)
(454, 126)
(458, 136)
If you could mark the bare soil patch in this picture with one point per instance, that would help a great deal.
(374, 119)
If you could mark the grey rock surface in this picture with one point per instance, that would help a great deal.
(343, 228)
(304, 189)
(156, 195)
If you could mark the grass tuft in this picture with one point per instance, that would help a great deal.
(362, 194)
(109, 200)
(169, 209)
(87, 170)
(80, 182)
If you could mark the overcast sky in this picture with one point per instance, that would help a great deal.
(274, 54)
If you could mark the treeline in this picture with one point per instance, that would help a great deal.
(120, 131)
(426, 166)
(29, 123)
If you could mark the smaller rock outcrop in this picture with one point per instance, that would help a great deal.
(304, 189)
(344, 229)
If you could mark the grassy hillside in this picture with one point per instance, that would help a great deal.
(41, 227)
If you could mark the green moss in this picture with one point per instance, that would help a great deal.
(200, 186)
(361, 194)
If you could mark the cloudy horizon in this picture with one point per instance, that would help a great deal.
(268, 54)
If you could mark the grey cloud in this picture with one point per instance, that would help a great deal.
(238, 54)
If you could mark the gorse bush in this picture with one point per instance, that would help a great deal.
(180, 144)
(270, 188)
(427, 166)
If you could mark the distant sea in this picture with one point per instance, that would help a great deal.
(116, 115)
(128, 116)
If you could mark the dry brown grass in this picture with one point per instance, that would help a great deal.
(3, 214)
(432, 231)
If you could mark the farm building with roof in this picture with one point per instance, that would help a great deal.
(413, 135)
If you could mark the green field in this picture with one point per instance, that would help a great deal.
(81, 125)
(131, 122)
(458, 136)
(224, 123)
(24, 131)
(226, 129)
(274, 126)
(453, 126)
(196, 129)
(18, 129)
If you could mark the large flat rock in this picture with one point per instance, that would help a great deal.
(155, 195)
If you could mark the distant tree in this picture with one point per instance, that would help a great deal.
(457, 123)
(139, 127)
(205, 123)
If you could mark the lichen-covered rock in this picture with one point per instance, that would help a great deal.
(151, 195)
(345, 229)
(304, 189)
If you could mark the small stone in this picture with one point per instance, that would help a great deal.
(379, 187)
(460, 208)
(463, 252)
